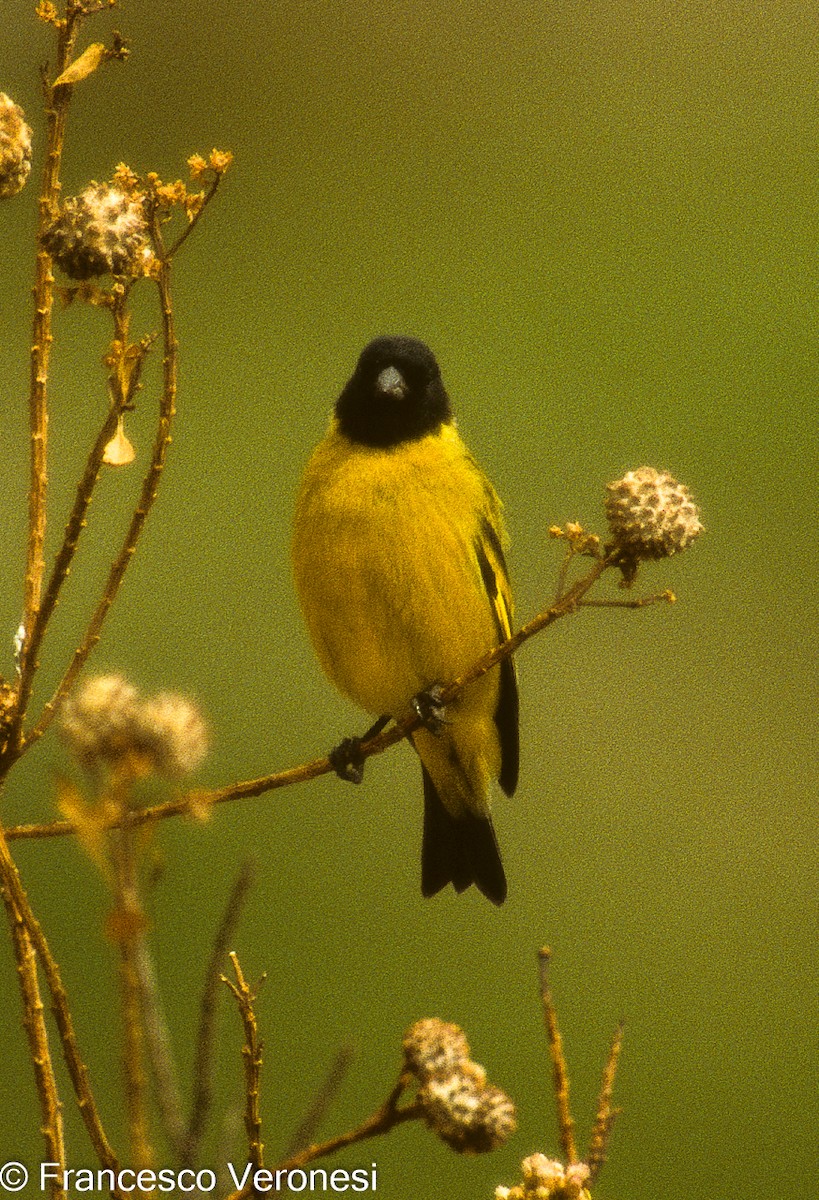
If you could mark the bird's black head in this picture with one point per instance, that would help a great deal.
(395, 394)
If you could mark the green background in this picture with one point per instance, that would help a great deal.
(603, 218)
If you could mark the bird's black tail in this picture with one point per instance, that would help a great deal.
(458, 850)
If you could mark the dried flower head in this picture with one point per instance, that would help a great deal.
(546, 1179)
(464, 1111)
(99, 720)
(651, 515)
(434, 1047)
(173, 734)
(107, 722)
(100, 232)
(15, 148)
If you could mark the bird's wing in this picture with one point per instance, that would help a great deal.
(489, 550)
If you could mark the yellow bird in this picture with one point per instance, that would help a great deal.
(398, 554)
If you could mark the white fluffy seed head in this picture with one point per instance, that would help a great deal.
(547, 1179)
(107, 722)
(434, 1047)
(15, 148)
(651, 515)
(468, 1114)
(100, 232)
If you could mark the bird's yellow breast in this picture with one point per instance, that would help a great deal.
(386, 567)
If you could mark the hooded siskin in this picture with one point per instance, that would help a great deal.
(400, 572)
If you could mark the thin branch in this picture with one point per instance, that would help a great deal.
(158, 1045)
(62, 563)
(57, 101)
(322, 1102)
(384, 1119)
(252, 1055)
(560, 1073)
(37, 1034)
(206, 1035)
(189, 228)
(667, 597)
(77, 1070)
(150, 487)
(202, 800)
(606, 1115)
(387, 1117)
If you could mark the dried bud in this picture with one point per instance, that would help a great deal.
(465, 1112)
(15, 148)
(173, 734)
(99, 721)
(100, 232)
(544, 1178)
(651, 515)
(433, 1047)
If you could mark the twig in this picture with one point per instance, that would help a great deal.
(150, 487)
(306, 1129)
(606, 1115)
(62, 563)
(565, 1120)
(57, 101)
(384, 1119)
(202, 800)
(189, 228)
(77, 1070)
(203, 1057)
(37, 1034)
(158, 1046)
(252, 1055)
(638, 602)
(126, 926)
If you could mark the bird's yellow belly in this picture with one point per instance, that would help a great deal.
(391, 587)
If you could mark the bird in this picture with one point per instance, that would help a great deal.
(399, 564)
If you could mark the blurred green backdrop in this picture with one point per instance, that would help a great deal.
(603, 217)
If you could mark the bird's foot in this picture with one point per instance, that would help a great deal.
(348, 761)
(428, 708)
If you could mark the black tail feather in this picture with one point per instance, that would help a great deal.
(458, 850)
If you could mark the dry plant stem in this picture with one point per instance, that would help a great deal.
(158, 1046)
(150, 487)
(77, 1070)
(62, 563)
(324, 1098)
(57, 101)
(189, 228)
(206, 1034)
(37, 1034)
(252, 1055)
(604, 1121)
(382, 1121)
(128, 921)
(246, 789)
(560, 1073)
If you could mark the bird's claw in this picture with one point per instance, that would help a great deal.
(348, 761)
(428, 708)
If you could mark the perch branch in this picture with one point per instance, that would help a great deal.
(202, 800)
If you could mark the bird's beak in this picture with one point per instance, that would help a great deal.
(391, 382)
